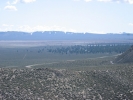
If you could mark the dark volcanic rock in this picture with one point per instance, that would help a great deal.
(61, 84)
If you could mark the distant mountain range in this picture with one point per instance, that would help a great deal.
(60, 35)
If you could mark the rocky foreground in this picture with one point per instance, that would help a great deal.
(53, 84)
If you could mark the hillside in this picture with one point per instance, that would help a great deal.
(53, 84)
(126, 57)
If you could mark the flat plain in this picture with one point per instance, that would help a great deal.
(39, 55)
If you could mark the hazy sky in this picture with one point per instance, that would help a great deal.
(97, 16)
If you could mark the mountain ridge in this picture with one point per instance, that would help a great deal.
(60, 35)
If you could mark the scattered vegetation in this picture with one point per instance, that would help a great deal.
(77, 75)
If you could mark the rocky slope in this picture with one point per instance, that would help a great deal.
(53, 84)
(126, 57)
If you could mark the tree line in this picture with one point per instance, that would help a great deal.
(80, 49)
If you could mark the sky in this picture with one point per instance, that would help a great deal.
(94, 16)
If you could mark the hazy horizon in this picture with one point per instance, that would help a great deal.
(66, 32)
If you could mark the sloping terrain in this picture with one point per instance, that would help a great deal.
(53, 84)
(126, 57)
